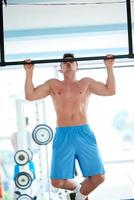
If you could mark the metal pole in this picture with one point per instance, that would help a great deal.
(62, 60)
(129, 27)
(2, 54)
(21, 126)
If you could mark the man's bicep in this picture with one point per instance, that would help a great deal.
(98, 88)
(42, 91)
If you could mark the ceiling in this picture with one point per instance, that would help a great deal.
(25, 16)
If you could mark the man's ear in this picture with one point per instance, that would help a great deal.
(77, 66)
(60, 70)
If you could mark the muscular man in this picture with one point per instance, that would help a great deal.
(74, 138)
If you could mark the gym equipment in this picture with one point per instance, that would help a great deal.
(22, 157)
(30, 154)
(1, 185)
(30, 168)
(24, 197)
(23, 180)
(24, 172)
(42, 134)
(44, 186)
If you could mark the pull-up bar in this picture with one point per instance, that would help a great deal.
(62, 60)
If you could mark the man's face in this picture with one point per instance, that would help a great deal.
(69, 65)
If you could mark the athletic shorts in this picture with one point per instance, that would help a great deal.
(71, 143)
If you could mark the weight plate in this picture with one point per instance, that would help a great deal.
(21, 157)
(42, 134)
(23, 180)
(24, 197)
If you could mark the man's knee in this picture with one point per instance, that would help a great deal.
(101, 178)
(98, 179)
(57, 183)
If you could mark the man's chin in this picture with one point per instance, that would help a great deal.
(69, 70)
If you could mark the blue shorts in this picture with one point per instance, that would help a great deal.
(75, 142)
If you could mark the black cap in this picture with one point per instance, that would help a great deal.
(68, 55)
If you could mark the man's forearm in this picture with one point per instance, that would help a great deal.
(110, 83)
(29, 87)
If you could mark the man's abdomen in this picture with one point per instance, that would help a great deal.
(69, 119)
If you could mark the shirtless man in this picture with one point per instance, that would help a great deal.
(74, 138)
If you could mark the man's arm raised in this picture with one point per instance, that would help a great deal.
(109, 87)
(31, 92)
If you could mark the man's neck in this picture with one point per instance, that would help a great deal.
(70, 78)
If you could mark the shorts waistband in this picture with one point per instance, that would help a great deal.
(83, 126)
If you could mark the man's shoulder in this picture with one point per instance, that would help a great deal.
(52, 80)
(86, 79)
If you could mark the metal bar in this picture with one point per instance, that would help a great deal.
(2, 54)
(67, 3)
(119, 161)
(62, 60)
(129, 27)
(103, 67)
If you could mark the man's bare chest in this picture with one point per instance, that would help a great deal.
(69, 91)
